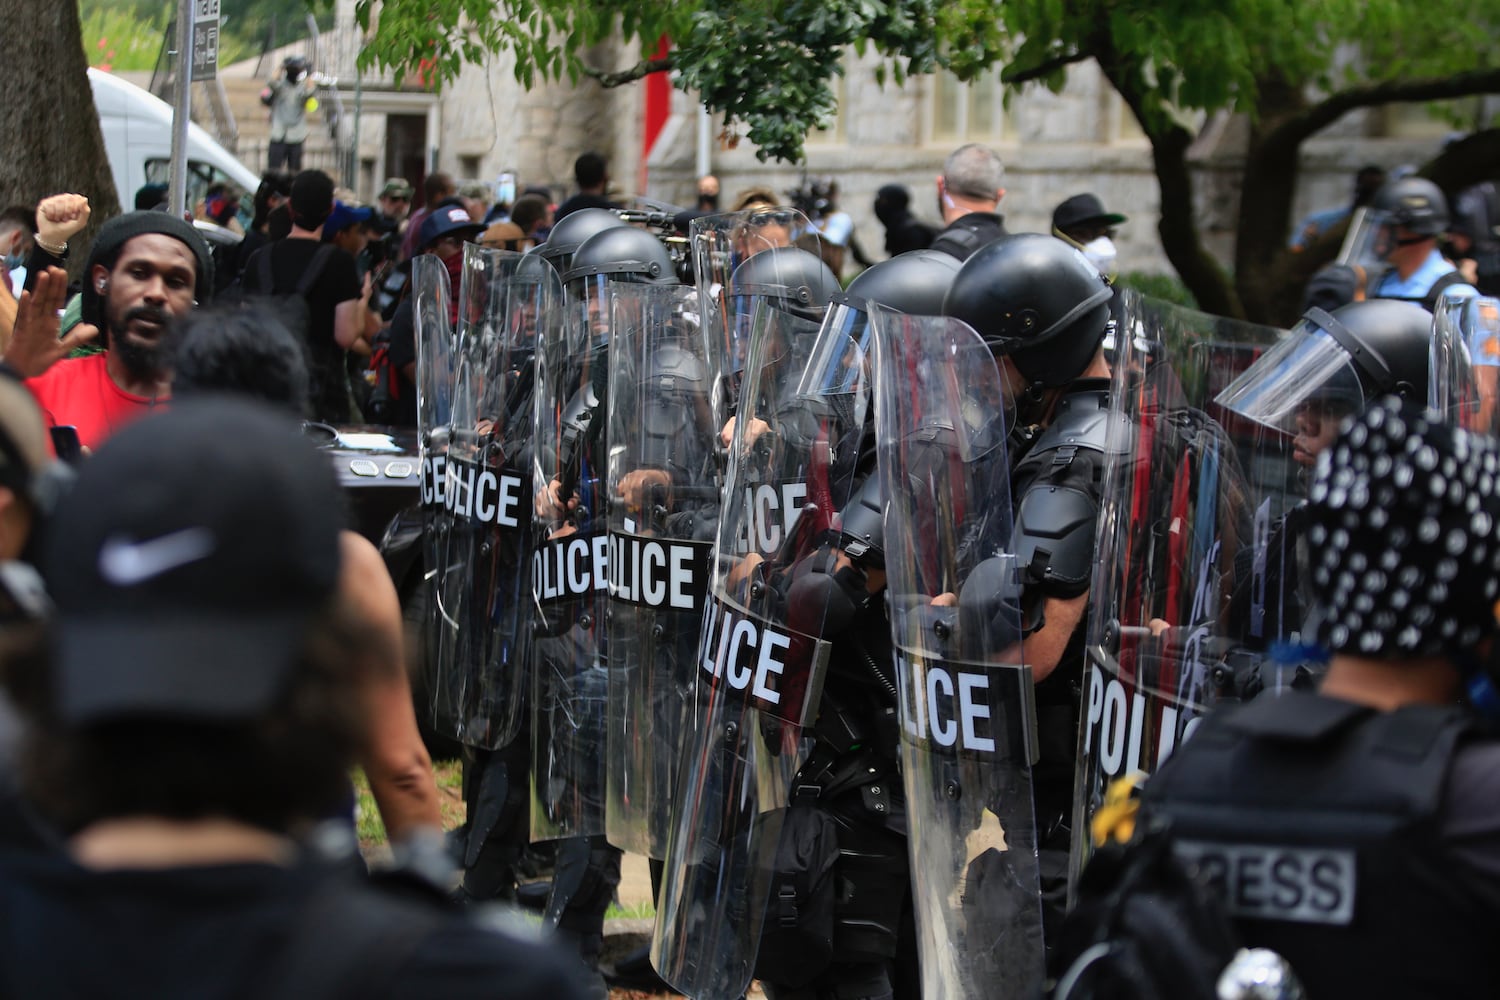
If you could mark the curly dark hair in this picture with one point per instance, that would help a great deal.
(246, 351)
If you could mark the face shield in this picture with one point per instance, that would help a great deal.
(589, 306)
(1309, 373)
(1370, 240)
(837, 376)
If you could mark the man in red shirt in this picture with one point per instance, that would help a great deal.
(146, 268)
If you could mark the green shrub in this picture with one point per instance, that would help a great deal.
(1159, 286)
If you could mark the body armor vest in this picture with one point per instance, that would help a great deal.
(1318, 821)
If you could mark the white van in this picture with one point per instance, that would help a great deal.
(137, 129)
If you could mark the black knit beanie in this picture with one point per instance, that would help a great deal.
(113, 236)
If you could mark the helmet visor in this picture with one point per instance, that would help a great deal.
(839, 362)
(1307, 369)
(837, 374)
(1370, 239)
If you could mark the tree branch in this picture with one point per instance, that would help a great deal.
(639, 71)
(1329, 110)
(1042, 69)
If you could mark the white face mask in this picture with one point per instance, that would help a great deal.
(1101, 253)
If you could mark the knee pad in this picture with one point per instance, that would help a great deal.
(583, 884)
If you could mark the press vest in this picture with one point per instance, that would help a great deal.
(1318, 821)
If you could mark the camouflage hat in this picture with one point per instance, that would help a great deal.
(396, 187)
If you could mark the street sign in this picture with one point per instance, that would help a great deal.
(205, 39)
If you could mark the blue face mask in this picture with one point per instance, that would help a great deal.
(15, 260)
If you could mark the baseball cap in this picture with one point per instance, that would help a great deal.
(396, 187)
(189, 592)
(448, 220)
(1082, 208)
(343, 217)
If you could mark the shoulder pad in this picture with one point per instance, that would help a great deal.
(1054, 538)
(1081, 421)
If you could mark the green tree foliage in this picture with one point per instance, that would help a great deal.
(1293, 66)
(767, 65)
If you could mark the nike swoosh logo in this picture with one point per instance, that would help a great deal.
(125, 563)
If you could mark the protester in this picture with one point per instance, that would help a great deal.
(248, 353)
(318, 288)
(903, 230)
(198, 714)
(591, 173)
(145, 269)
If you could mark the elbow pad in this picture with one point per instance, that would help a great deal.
(1055, 539)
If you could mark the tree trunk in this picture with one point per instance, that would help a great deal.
(53, 143)
(1178, 228)
(1266, 275)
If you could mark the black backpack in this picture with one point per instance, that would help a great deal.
(1143, 927)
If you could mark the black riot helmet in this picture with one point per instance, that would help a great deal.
(1037, 300)
(1339, 361)
(570, 231)
(1414, 203)
(789, 278)
(915, 282)
(622, 253)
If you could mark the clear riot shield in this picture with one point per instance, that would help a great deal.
(1464, 374)
(569, 578)
(761, 663)
(968, 712)
(485, 584)
(663, 489)
(433, 328)
(719, 245)
(1196, 597)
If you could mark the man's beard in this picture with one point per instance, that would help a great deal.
(144, 362)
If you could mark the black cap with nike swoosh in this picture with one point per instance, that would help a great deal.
(188, 564)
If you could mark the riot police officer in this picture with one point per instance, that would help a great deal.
(569, 651)
(1044, 310)
(1356, 823)
(853, 763)
(1328, 368)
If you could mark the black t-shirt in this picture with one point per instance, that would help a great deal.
(337, 282)
(223, 933)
